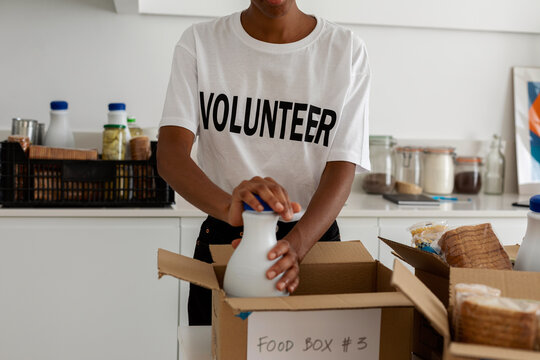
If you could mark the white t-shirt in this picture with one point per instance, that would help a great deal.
(263, 109)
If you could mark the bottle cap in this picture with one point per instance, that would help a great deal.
(114, 126)
(534, 203)
(117, 107)
(130, 119)
(59, 105)
(264, 204)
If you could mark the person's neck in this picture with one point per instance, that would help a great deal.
(291, 27)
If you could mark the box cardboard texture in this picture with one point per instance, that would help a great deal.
(336, 275)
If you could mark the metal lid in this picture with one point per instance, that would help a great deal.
(114, 126)
(409, 149)
(469, 159)
(439, 150)
(381, 140)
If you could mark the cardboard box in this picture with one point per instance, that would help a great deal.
(515, 284)
(340, 280)
(434, 273)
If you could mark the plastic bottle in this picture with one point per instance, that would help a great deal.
(117, 116)
(59, 133)
(134, 129)
(245, 275)
(494, 178)
(529, 251)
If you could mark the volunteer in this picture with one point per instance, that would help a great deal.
(278, 103)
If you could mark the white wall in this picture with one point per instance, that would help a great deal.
(427, 83)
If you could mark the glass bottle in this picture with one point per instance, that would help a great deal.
(134, 129)
(468, 178)
(380, 180)
(494, 176)
(409, 170)
(114, 142)
(117, 116)
(245, 275)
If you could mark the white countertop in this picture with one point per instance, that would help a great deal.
(358, 205)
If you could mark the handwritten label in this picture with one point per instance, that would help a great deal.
(314, 335)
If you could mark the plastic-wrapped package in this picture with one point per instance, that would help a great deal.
(498, 321)
(462, 292)
(474, 246)
(426, 235)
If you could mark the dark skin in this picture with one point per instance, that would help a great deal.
(275, 21)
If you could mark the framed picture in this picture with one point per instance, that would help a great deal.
(527, 121)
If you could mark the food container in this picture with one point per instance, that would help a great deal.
(380, 180)
(25, 127)
(409, 170)
(114, 142)
(438, 170)
(468, 177)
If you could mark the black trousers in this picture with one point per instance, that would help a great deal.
(214, 231)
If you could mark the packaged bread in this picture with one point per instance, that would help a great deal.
(498, 321)
(463, 291)
(426, 235)
(474, 246)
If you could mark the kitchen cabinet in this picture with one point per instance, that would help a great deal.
(86, 288)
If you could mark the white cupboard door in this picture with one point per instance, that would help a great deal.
(86, 289)
(189, 231)
(364, 229)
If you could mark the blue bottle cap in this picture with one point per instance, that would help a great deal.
(117, 107)
(534, 203)
(264, 204)
(59, 105)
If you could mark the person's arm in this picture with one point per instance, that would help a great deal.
(324, 207)
(176, 166)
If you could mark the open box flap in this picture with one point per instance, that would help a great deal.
(423, 299)
(419, 259)
(514, 284)
(320, 302)
(473, 351)
(185, 268)
(337, 252)
(331, 252)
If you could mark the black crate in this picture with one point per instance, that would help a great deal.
(28, 182)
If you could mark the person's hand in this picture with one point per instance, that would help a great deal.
(269, 191)
(288, 265)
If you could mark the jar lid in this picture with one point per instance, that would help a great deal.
(534, 203)
(439, 150)
(381, 140)
(266, 207)
(469, 159)
(409, 149)
(117, 107)
(114, 126)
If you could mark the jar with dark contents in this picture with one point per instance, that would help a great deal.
(468, 177)
(380, 180)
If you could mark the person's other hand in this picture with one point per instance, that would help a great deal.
(288, 265)
(270, 192)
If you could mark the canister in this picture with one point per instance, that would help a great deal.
(468, 178)
(438, 170)
(380, 179)
(409, 169)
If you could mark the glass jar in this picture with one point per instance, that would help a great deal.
(409, 170)
(114, 142)
(494, 175)
(438, 170)
(468, 178)
(380, 180)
